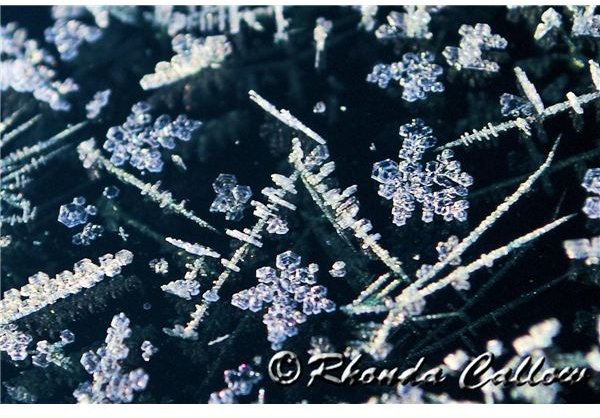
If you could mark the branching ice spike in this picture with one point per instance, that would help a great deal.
(90, 156)
(529, 90)
(488, 259)
(285, 116)
(5, 139)
(264, 215)
(195, 249)
(493, 131)
(342, 208)
(404, 304)
(42, 291)
(26, 152)
(489, 220)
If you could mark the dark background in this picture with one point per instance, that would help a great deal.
(527, 287)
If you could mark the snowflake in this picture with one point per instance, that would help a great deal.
(475, 39)
(232, 198)
(286, 288)
(416, 73)
(138, 140)
(439, 185)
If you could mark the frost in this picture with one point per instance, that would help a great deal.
(416, 74)
(475, 40)
(439, 186)
(286, 289)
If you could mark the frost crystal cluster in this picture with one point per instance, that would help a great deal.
(14, 342)
(439, 186)
(416, 74)
(139, 140)
(239, 383)
(46, 353)
(287, 289)
(591, 183)
(185, 289)
(68, 35)
(414, 23)
(231, 198)
(585, 22)
(99, 101)
(192, 55)
(25, 67)
(475, 40)
(110, 384)
(41, 290)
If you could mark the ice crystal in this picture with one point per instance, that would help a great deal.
(439, 186)
(148, 350)
(445, 248)
(475, 40)
(25, 67)
(515, 106)
(14, 342)
(338, 269)
(139, 140)
(585, 22)
(551, 19)
(110, 384)
(68, 35)
(583, 249)
(413, 23)
(320, 34)
(192, 55)
(89, 233)
(110, 192)
(416, 74)
(20, 394)
(99, 101)
(231, 198)
(159, 266)
(368, 17)
(287, 289)
(74, 213)
(591, 182)
(41, 290)
(319, 107)
(183, 288)
(46, 353)
(239, 382)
